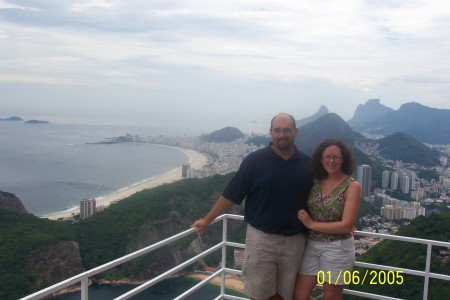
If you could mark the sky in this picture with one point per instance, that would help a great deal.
(203, 65)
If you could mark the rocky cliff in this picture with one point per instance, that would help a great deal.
(55, 263)
(9, 200)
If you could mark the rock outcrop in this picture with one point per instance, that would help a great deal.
(9, 200)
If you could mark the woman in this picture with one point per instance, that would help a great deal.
(333, 206)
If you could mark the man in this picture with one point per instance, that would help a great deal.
(275, 181)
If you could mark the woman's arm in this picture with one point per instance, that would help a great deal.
(349, 216)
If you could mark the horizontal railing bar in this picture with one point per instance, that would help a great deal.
(236, 245)
(403, 238)
(369, 295)
(232, 216)
(233, 271)
(84, 277)
(231, 297)
(207, 280)
(389, 268)
(56, 287)
(169, 272)
(199, 285)
(362, 294)
(406, 271)
(440, 276)
(107, 266)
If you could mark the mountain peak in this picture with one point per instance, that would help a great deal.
(369, 111)
(227, 134)
(327, 126)
(323, 110)
(426, 124)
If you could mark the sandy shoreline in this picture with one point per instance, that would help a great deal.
(230, 282)
(197, 161)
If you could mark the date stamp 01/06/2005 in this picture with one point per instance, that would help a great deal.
(373, 277)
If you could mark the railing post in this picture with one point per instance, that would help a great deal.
(427, 272)
(84, 288)
(224, 254)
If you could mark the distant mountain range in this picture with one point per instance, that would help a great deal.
(425, 124)
(372, 119)
(375, 120)
(396, 146)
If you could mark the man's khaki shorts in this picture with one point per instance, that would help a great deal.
(271, 263)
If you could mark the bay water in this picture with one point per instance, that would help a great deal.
(51, 167)
(165, 290)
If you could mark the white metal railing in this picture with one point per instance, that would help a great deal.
(83, 278)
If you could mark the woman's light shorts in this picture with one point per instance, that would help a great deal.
(331, 259)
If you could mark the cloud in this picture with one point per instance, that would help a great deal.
(392, 50)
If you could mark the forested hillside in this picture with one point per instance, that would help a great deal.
(38, 252)
(412, 256)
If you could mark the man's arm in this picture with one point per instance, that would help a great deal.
(221, 206)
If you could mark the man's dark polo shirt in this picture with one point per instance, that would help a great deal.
(274, 188)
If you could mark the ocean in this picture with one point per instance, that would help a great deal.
(51, 167)
(165, 290)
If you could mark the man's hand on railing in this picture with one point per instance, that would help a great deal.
(222, 205)
(200, 225)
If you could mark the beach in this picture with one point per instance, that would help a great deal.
(230, 282)
(197, 161)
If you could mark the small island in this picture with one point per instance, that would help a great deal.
(19, 119)
(13, 118)
(36, 122)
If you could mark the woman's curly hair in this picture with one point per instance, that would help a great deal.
(348, 161)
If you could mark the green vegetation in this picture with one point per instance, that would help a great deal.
(122, 228)
(399, 195)
(366, 208)
(22, 236)
(400, 146)
(411, 256)
(428, 174)
(155, 214)
(144, 218)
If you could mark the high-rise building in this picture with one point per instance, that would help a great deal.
(394, 181)
(409, 213)
(379, 200)
(184, 170)
(415, 195)
(412, 180)
(385, 179)
(238, 257)
(364, 176)
(87, 208)
(421, 193)
(387, 211)
(405, 184)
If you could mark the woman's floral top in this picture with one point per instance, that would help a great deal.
(327, 209)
